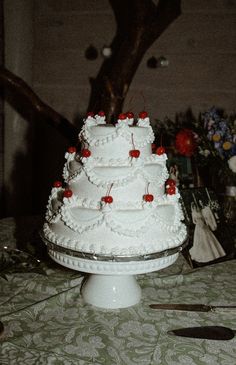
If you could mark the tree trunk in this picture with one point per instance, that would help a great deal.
(139, 24)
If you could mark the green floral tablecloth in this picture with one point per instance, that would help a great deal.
(46, 321)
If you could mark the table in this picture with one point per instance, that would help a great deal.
(47, 322)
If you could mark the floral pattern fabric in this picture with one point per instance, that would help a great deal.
(47, 322)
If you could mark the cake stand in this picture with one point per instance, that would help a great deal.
(111, 282)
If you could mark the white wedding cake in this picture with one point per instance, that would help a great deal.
(117, 198)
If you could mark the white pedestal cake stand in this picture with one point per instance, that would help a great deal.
(112, 283)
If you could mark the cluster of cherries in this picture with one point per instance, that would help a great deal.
(67, 193)
(170, 186)
(121, 116)
(91, 114)
(130, 115)
(85, 152)
(170, 190)
(108, 198)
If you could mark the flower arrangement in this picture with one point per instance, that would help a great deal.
(221, 132)
(210, 141)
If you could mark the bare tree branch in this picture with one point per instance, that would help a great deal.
(20, 89)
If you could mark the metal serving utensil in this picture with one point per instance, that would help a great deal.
(194, 307)
(205, 332)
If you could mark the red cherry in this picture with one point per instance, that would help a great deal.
(85, 152)
(57, 184)
(130, 115)
(67, 193)
(148, 197)
(101, 114)
(122, 116)
(90, 114)
(143, 115)
(134, 153)
(170, 182)
(71, 149)
(160, 151)
(171, 190)
(107, 199)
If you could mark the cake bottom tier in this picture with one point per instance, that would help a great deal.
(104, 241)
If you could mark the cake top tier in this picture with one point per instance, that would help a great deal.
(96, 132)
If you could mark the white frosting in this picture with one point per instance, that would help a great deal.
(129, 224)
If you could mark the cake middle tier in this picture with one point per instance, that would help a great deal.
(117, 141)
(127, 179)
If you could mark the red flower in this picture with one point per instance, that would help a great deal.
(185, 142)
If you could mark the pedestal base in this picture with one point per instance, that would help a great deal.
(111, 291)
(112, 283)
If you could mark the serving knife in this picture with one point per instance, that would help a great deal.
(205, 332)
(194, 307)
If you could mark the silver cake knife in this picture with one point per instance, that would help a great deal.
(194, 307)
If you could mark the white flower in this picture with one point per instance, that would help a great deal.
(206, 153)
(232, 163)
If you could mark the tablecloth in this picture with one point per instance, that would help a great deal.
(47, 322)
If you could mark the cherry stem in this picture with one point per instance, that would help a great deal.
(148, 187)
(109, 190)
(161, 139)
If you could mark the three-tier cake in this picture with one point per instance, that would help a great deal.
(116, 198)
